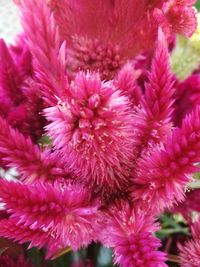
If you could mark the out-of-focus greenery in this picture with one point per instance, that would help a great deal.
(198, 4)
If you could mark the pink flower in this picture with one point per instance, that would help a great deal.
(161, 176)
(47, 49)
(177, 16)
(32, 163)
(190, 251)
(20, 99)
(93, 129)
(189, 205)
(126, 81)
(65, 212)
(153, 119)
(6, 261)
(129, 232)
(190, 254)
(102, 36)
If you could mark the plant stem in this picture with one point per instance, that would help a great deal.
(173, 258)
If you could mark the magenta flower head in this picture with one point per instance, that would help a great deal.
(189, 252)
(93, 130)
(55, 216)
(102, 35)
(129, 232)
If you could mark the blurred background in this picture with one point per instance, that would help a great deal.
(10, 23)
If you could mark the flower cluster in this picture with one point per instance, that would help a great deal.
(123, 135)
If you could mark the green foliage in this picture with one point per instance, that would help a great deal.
(198, 4)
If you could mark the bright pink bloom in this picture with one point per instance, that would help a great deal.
(66, 212)
(12, 229)
(20, 99)
(129, 232)
(93, 129)
(153, 119)
(190, 251)
(161, 177)
(32, 163)
(46, 48)
(126, 81)
(189, 205)
(102, 36)
(190, 254)
(177, 16)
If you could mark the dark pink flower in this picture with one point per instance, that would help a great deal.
(189, 252)
(153, 119)
(93, 129)
(63, 211)
(189, 205)
(28, 158)
(102, 36)
(161, 176)
(187, 97)
(129, 232)
(6, 261)
(20, 99)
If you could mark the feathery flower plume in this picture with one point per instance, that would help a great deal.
(126, 81)
(65, 211)
(93, 130)
(44, 43)
(161, 177)
(153, 119)
(101, 35)
(189, 252)
(130, 233)
(177, 16)
(20, 99)
(20, 152)
(11, 229)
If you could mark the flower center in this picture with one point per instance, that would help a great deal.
(88, 54)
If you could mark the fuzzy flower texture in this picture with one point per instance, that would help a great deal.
(118, 153)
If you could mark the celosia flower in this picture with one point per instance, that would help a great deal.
(161, 176)
(116, 34)
(20, 99)
(153, 119)
(6, 261)
(126, 81)
(64, 211)
(116, 139)
(47, 49)
(93, 129)
(177, 16)
(189, 205)
(189, 252)
(32, 163)
(130, 233)
(12, 229)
